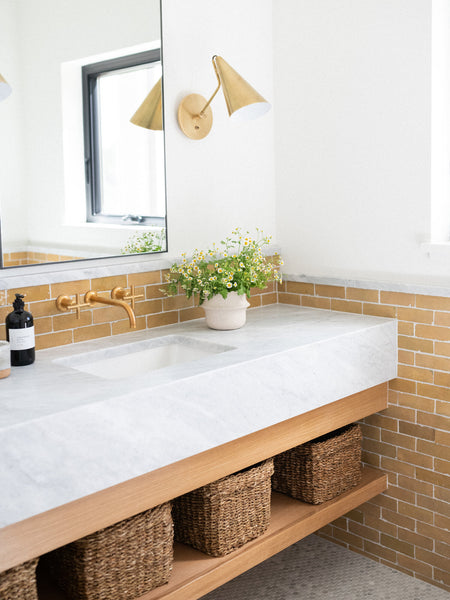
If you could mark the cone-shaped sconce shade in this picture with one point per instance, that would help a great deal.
(149, 114)
(5, 88)
(243, 101)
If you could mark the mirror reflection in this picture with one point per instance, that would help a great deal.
(78, 178)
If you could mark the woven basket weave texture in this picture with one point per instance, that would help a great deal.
(321, 469)
(120, 562)
(226, 514)
(19, 583)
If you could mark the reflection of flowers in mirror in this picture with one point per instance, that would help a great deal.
(147, 241)
(236, 265)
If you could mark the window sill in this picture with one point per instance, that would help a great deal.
(111, 226)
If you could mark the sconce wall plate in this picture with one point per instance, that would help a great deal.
(193, 124)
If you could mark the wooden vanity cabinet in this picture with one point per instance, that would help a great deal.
(195, 574)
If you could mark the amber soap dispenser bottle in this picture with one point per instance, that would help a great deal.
(20, 334)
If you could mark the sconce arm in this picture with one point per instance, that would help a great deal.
(202, 112)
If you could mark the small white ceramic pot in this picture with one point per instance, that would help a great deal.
(5, 359)
(226, 313)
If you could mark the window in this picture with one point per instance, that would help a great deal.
(124, 164)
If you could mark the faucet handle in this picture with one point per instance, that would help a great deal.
(65, 303)
(118, 293)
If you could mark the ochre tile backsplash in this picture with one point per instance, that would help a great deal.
(407, 527)
(55, 328)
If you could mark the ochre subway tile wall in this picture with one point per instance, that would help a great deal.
(407, 527)
(55, 328)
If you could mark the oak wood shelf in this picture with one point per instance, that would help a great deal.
(195, 574)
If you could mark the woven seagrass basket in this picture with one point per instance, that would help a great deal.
(120, 562)
(19, 583)
(321, 469)
(226, 514)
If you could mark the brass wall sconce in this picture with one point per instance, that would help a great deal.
(5, 88)
(149, 114)
(243, 102)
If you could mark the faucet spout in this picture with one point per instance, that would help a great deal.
(92, 297)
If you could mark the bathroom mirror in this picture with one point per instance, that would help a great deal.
(78, 180)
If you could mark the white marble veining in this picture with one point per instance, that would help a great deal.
(65, 434)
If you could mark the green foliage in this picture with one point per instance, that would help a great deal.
(148, 241)
(236, 266)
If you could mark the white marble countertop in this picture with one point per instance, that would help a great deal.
(65, 434)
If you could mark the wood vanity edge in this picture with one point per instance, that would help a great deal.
(49, 530)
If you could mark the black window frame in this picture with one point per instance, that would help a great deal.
(90, 74)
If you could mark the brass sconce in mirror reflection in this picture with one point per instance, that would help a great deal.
(243, 102)
(149, 114)
(5, 88)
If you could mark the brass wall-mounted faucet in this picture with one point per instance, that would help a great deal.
(92, 297)
(119, 297)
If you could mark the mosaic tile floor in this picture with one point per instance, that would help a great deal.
(316, 569)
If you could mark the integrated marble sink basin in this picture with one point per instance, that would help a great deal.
(131, 360)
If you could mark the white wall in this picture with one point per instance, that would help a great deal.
(352, 122)
(227, 179)
(353, 138)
